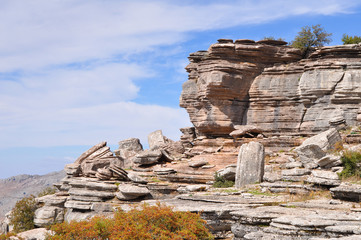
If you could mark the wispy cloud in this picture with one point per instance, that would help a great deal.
(66, 69)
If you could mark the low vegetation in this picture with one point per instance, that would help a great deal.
(22, 215)
(148, 222)
(351, 161)
(221, 182)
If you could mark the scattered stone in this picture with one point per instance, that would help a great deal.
(156, 140)
(90, 151)
(208, 166)
(228, 173)
(34, 234)
(130, 192)
(164, 171)
(325, 178)
(246, 130)
(347, 191)
(134, 177)
(147, 157)
(104, 174)
(196, 188)
(316, 147)
(250, 164)
(128, 149)
(329, 161)
(198, 163)
(291, 165)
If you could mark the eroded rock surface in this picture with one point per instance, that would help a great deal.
(267, 85)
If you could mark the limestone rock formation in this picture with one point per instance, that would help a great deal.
(268, 85)
(216, 93)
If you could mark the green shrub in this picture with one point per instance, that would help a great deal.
(221, 182)
(346, 39)
(47, 191)
(22, 215)
(351, 161)
(150, 222)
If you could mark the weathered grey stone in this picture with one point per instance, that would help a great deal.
(196, 188)
(72, 169)
(295, 164)
(250, 164)
(326, 178)
(48, 215)
(52, 200)
(228, 173)
(80, 205)
(102, 207)
(147, 157)
(316, 147)
(134, 177)
(128, 149)
(347, 191)
(34, 234)
(130, 192)
(329, 161)
(164, 171)
(90, 151)
(296, 172)
(91, 193)
(248, 130)
(156, 140)
(198, 163)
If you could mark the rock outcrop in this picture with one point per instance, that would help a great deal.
(266, 84)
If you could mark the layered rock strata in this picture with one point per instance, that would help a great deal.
(266, 84)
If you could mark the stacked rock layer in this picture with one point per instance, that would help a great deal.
(268, 85)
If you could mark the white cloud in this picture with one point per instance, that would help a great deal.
(40, 32)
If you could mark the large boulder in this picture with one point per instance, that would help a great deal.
(48, 215)
(147, 157)
(171, 150)
(250, 164)
(316, 147)
(228, 173)
(34, 234)
(130, 192)
(128, 149)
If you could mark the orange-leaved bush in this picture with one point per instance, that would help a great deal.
(149, 222)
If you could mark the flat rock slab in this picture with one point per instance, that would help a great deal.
(129, 192)
(348, 192)
(324, 178)
(198, 164)
(147, 157)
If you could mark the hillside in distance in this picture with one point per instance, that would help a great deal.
(15, 188)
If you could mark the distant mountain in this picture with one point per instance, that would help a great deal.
(15, 188)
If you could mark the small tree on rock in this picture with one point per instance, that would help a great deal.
(346, 39)
(310, 37)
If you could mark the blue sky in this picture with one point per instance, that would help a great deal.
(74, 73)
